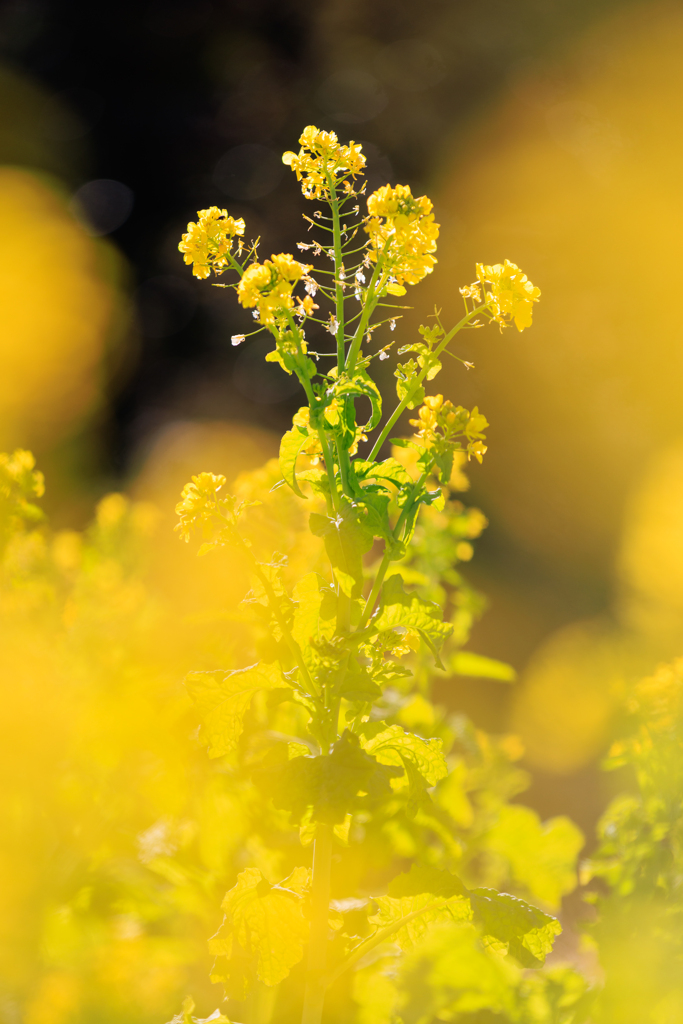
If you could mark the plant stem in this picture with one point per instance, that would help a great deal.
(339, 288)
(379, 579)
(314, 996)
(403, 404)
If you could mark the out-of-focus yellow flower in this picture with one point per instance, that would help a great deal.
(659, 697)
(269, 285)
(199, 498)
(320, 158)
(402, 229)
(207, 242)
(512, 294)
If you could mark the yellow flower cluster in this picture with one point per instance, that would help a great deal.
(322, 157)
(199, 499)
(268, 286)
(440, 422)
(403, 232)
(512, 294)
(207, 242)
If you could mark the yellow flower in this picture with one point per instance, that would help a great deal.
(512, 294)
(207, 242)
(321, 155)
(199, 500)
(269, 286)
(440, 425)
(402, 230)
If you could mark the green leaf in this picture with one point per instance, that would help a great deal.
(223, 698)
(389, 470)
(290, 448)
(422, 760)
(422, 618)
(329, 784)
(360, 386)
(420, 888)
(264, 931)
(541, 857)
(347, 538)
(467, 663)
(406, 379)
(527, 932)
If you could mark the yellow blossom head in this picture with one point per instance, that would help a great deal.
(321, 158)
(441, 426)
(268, 286)
(512, 294)
(207, 242)
(402, 232)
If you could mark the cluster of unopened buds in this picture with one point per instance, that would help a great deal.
(439, 421)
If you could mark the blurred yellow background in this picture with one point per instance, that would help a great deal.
(575, 174)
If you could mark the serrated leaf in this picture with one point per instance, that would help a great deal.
(391, 744)
(263, 924)
(505, 921)
(223, 698)
(528, 932)
(400, 608)
(421, 888)
(290, 448)
(467, 663)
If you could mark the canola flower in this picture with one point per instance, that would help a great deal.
(268, 286)
(207, 243)
(321, 160)
(402, 230)
(512, 295)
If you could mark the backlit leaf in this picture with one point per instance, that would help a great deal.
(422, 618)
(223, 698)
(266, 923)
(290, 447)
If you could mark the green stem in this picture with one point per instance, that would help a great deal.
(371, 301)
(374, 593)
(329, 467)
(314, 996)
(387, 557)
(339, 290)
(403, 404)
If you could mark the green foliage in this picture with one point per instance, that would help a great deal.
(640, 861)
